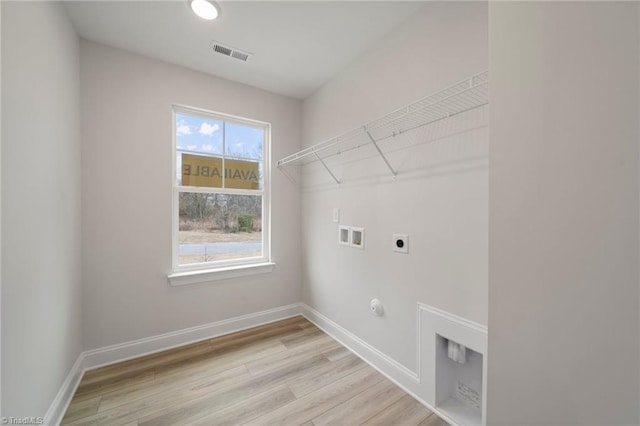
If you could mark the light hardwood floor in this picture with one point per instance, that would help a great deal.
(285, 373)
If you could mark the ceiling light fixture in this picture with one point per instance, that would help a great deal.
(205, 9)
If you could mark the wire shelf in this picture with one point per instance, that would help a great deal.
(461, 97)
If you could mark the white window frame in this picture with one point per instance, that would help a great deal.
(221, 269)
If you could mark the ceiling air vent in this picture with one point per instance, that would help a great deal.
(240, 55)
(230, 51)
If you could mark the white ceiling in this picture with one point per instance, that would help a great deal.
(297, 46)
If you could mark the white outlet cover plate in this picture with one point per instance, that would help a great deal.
(405, 243)
(336, 215)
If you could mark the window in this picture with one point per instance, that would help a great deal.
(220, 191)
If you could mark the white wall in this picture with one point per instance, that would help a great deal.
(126, 176)
(41, 286)
(439, 198)
(563, 293)
(1, 212)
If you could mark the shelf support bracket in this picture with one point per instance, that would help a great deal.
(373, 141)
(326, 168)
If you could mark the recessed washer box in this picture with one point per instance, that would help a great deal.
(357, 237)
(456, 386)
(401, 243)
(344, 236)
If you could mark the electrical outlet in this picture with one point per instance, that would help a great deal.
(336, 215)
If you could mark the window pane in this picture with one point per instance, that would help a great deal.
(218, 227)
(196, 135)
(243, 141)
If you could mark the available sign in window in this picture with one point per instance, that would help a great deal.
(212, 172)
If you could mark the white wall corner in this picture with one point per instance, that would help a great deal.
(60, 403)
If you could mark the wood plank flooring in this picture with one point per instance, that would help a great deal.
(284, 373)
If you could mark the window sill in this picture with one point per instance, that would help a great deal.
(208, 275)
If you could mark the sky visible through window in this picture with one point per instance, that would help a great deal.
(202, 135)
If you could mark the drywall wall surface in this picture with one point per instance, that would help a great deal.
(41, 244)
(563, 271)
(126, 170)
(0, 211)
(439, 197)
